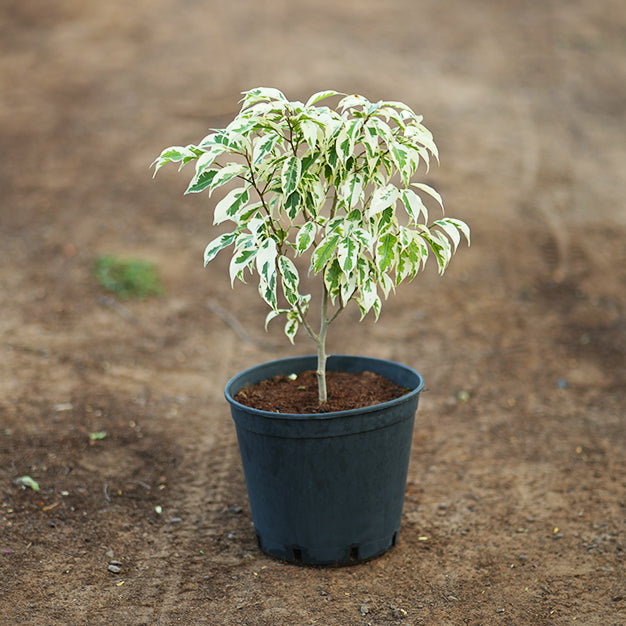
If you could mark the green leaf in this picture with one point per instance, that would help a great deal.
(27, 481)
(218, 244)
(174, 154)
(347, 253)
(290, 279)
(291, 327)
(243, 257)
(230, 204)
(264, 145)
(305, 236)
(344, 145)
(386, 251)
(293, 205)
(201, 181)
(400, 158)
(290, 174)
(227, 173)
(332, 279)
(259, 94)
(324, 252)
(98, 435)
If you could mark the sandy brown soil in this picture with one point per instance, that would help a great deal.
(516, 502)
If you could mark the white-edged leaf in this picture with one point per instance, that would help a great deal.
(273, 314)
(264, 145)
(174, 154)
(310, 131)
(320, 95)
(291, 327)
(263, 93)
(243, 257)
(266, 267)
(324, 252)
(368, 296)
(290, 279)
(332, 279)
(201, 181)
(382, 198)
(344, 145)
(305, 237)
(386, 251)
(227, 173)
(451, 230)
(290, 174)
(352, 189)
(218, 244)
(430, 191)
(347, 253)
(460, 225)
(352, 101)
(205, 160)
(414, 205)
(230, 204)
(348, 287)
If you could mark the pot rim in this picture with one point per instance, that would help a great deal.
(246, 373)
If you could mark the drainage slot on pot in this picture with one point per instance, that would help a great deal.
(297, 555)
(394, 539)
(354, 553)
(258, 541)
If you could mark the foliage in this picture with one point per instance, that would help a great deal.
(333, 185)
(128, 278)
(27, 481)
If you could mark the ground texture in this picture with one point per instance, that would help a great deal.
(516, 502)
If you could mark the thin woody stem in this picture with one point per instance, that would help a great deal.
(321, 350)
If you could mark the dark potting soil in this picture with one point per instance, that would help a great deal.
(346, 391)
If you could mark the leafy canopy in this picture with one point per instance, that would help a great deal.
(335, 185)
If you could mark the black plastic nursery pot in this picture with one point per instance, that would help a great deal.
(326, 488)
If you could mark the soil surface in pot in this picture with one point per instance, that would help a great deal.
(346, 391)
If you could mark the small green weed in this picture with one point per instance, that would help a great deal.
(128, 278)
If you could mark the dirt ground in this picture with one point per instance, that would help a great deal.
(515, 507)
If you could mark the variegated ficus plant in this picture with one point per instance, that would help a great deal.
(332, 185)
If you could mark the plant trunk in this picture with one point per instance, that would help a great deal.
(321, 350)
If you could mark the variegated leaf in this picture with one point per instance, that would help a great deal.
(347, 253)
(230, 204)
(290, 174)
(290, 279)
(387, 251)
(325, 252)
(382, 198)
(430, 191)
(320, 95)
(218, 244)
(305, 237)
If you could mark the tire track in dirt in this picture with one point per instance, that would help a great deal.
(198, 526)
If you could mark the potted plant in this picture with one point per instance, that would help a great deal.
(333, 188)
